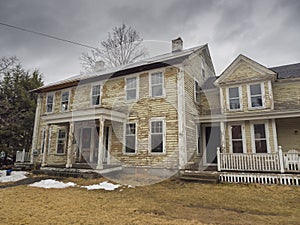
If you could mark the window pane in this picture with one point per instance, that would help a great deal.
(49, 107)
(96, 100)
(130, 144)
(156, 78)
(261, 146)
(64, 106)
(234, 92)
(156, 143)
(65, 96)
(236, 132)
(96, 90)
(157, 91)
(130, 128)
(61, 134)
(50, 99)
(255, 89)
(237, 146)
(234, 103)
(259, 131)
(131, 83)
(131, 94)
(256, 101)
(156, 127)
(60, 147)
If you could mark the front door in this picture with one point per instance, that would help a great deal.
(212, 137)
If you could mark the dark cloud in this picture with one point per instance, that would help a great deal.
(267, 31)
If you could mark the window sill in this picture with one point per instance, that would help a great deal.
(156, 153)
(256, 108)
(60, 154)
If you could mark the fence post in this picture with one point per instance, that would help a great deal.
(280, 155)
(23, 155)
(218, 159)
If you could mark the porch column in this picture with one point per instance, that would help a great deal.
(45, 145)
(101, 144)
(36, 127)
(223, 140)
(70, 145)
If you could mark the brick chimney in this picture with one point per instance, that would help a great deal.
(177, 44)
(99, 65)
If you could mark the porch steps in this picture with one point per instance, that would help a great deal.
(79, 172)
(211, 177)
(21, 166)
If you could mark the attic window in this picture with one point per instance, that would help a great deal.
(234, 98)
(256, 95)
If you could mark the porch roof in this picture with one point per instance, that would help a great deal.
(276, 114)
(84, 115)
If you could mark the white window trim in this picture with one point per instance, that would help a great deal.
(262, 88)
(69, 105)
(265, 122)
(163, 84)
(91, 94)
(163, 119)
(240, 98)
(65, 145)
(53, 104)
(137, 88)
(195, 94)
(242, 124)
(136, 139)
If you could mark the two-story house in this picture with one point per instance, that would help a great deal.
(141, 114)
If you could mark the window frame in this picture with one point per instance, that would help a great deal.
(64, 139)
(253, 139)
(136, 140)
(136, 88)
(53, 102)
(91, 95)
(243, 137)
(61, 94)
(240, 98)
(162, 84)
(157, 119)
(262, 89)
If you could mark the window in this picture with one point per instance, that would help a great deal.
(61, 141)
(130, 138)
(256, 96)
(131, 88)
(236, 139)
(157, 84)
(49, 103)
(260, 138)
(234, 98)
(203, 72)
(197, 92)
(96, 92)
(157, 137)
(65, 101)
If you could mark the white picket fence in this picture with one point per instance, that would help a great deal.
(22, 156)
(259, 162)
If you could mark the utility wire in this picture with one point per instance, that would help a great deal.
(47, 35)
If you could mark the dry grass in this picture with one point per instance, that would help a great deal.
(169, 202)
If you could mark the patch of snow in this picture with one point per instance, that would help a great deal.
(49, 183)
(104, 185)
(14, 176)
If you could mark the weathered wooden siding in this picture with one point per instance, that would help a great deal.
(287, 95)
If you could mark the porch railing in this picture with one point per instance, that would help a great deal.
(259, 162)
(22, 156)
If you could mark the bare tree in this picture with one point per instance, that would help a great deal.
(123, 46)
(7, 63)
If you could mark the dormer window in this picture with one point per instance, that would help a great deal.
(234, 98)
(256, 100)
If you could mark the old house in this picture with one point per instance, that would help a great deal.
(141, 114)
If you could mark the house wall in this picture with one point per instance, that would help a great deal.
(288, 133)
(286, 95)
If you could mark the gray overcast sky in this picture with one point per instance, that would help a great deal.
(267, 31)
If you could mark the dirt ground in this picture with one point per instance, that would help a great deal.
(169, 202)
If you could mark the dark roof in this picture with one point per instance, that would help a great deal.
(287, 71)
(209, 83)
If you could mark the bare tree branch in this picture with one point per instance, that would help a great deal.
(123, 46)
(7, 64)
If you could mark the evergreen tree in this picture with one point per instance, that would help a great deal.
(17, 108)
